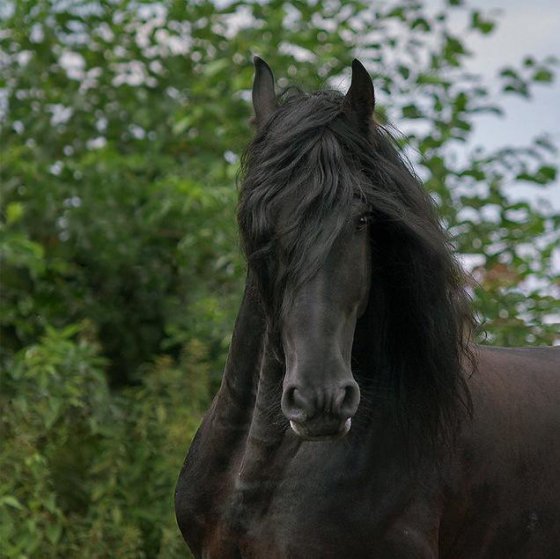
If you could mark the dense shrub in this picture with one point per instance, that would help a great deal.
(86, 471)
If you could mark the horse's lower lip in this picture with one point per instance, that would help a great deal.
(302, 432)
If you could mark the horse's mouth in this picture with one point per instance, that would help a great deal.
(321, 430)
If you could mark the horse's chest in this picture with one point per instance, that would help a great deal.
(292, 522)
(318, 513)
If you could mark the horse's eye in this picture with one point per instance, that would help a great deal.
(362, 221)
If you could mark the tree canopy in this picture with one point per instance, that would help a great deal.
(122, 125)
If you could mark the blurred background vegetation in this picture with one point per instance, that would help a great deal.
(122, 124)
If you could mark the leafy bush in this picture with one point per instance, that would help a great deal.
(86, 471)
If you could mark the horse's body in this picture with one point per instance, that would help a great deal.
(251, 487)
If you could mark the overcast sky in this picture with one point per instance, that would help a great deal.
(524, 28)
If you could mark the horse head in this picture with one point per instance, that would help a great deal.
(335, 226)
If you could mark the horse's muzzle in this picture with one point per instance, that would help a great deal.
(321, 428)
(321, 412)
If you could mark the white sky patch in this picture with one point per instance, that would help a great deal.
(96, 143)
(73, 63)
(523, 29)
(470, 262)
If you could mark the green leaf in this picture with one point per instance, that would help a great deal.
(543, 75)
(485, 26)
(411, 111)
(14, 212)
(11, 502)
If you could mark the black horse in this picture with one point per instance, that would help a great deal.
(356, 418)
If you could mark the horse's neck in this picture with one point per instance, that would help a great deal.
(268, 425)
(268, 449)
(234, 403)
(245, 419)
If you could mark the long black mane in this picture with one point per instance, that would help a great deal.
(300, 177)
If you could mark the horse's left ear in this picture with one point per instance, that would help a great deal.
(360, 99)
(264, 100)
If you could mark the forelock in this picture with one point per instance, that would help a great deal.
(298, 168)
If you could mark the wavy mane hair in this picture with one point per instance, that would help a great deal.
(299, 179)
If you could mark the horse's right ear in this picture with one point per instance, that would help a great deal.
(359, 102)
(264, 100)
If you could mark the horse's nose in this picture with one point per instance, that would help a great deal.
(341, 401)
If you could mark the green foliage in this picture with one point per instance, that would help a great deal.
(122, 124)
(86, 472)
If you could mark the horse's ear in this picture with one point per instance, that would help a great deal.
(264, 100)
(360, 99)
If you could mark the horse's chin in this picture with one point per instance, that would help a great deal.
(308, 433)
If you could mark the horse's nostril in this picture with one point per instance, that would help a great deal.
(301, 406)
(294, 405)
(350, 399)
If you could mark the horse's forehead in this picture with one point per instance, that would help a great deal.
(289, 207)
